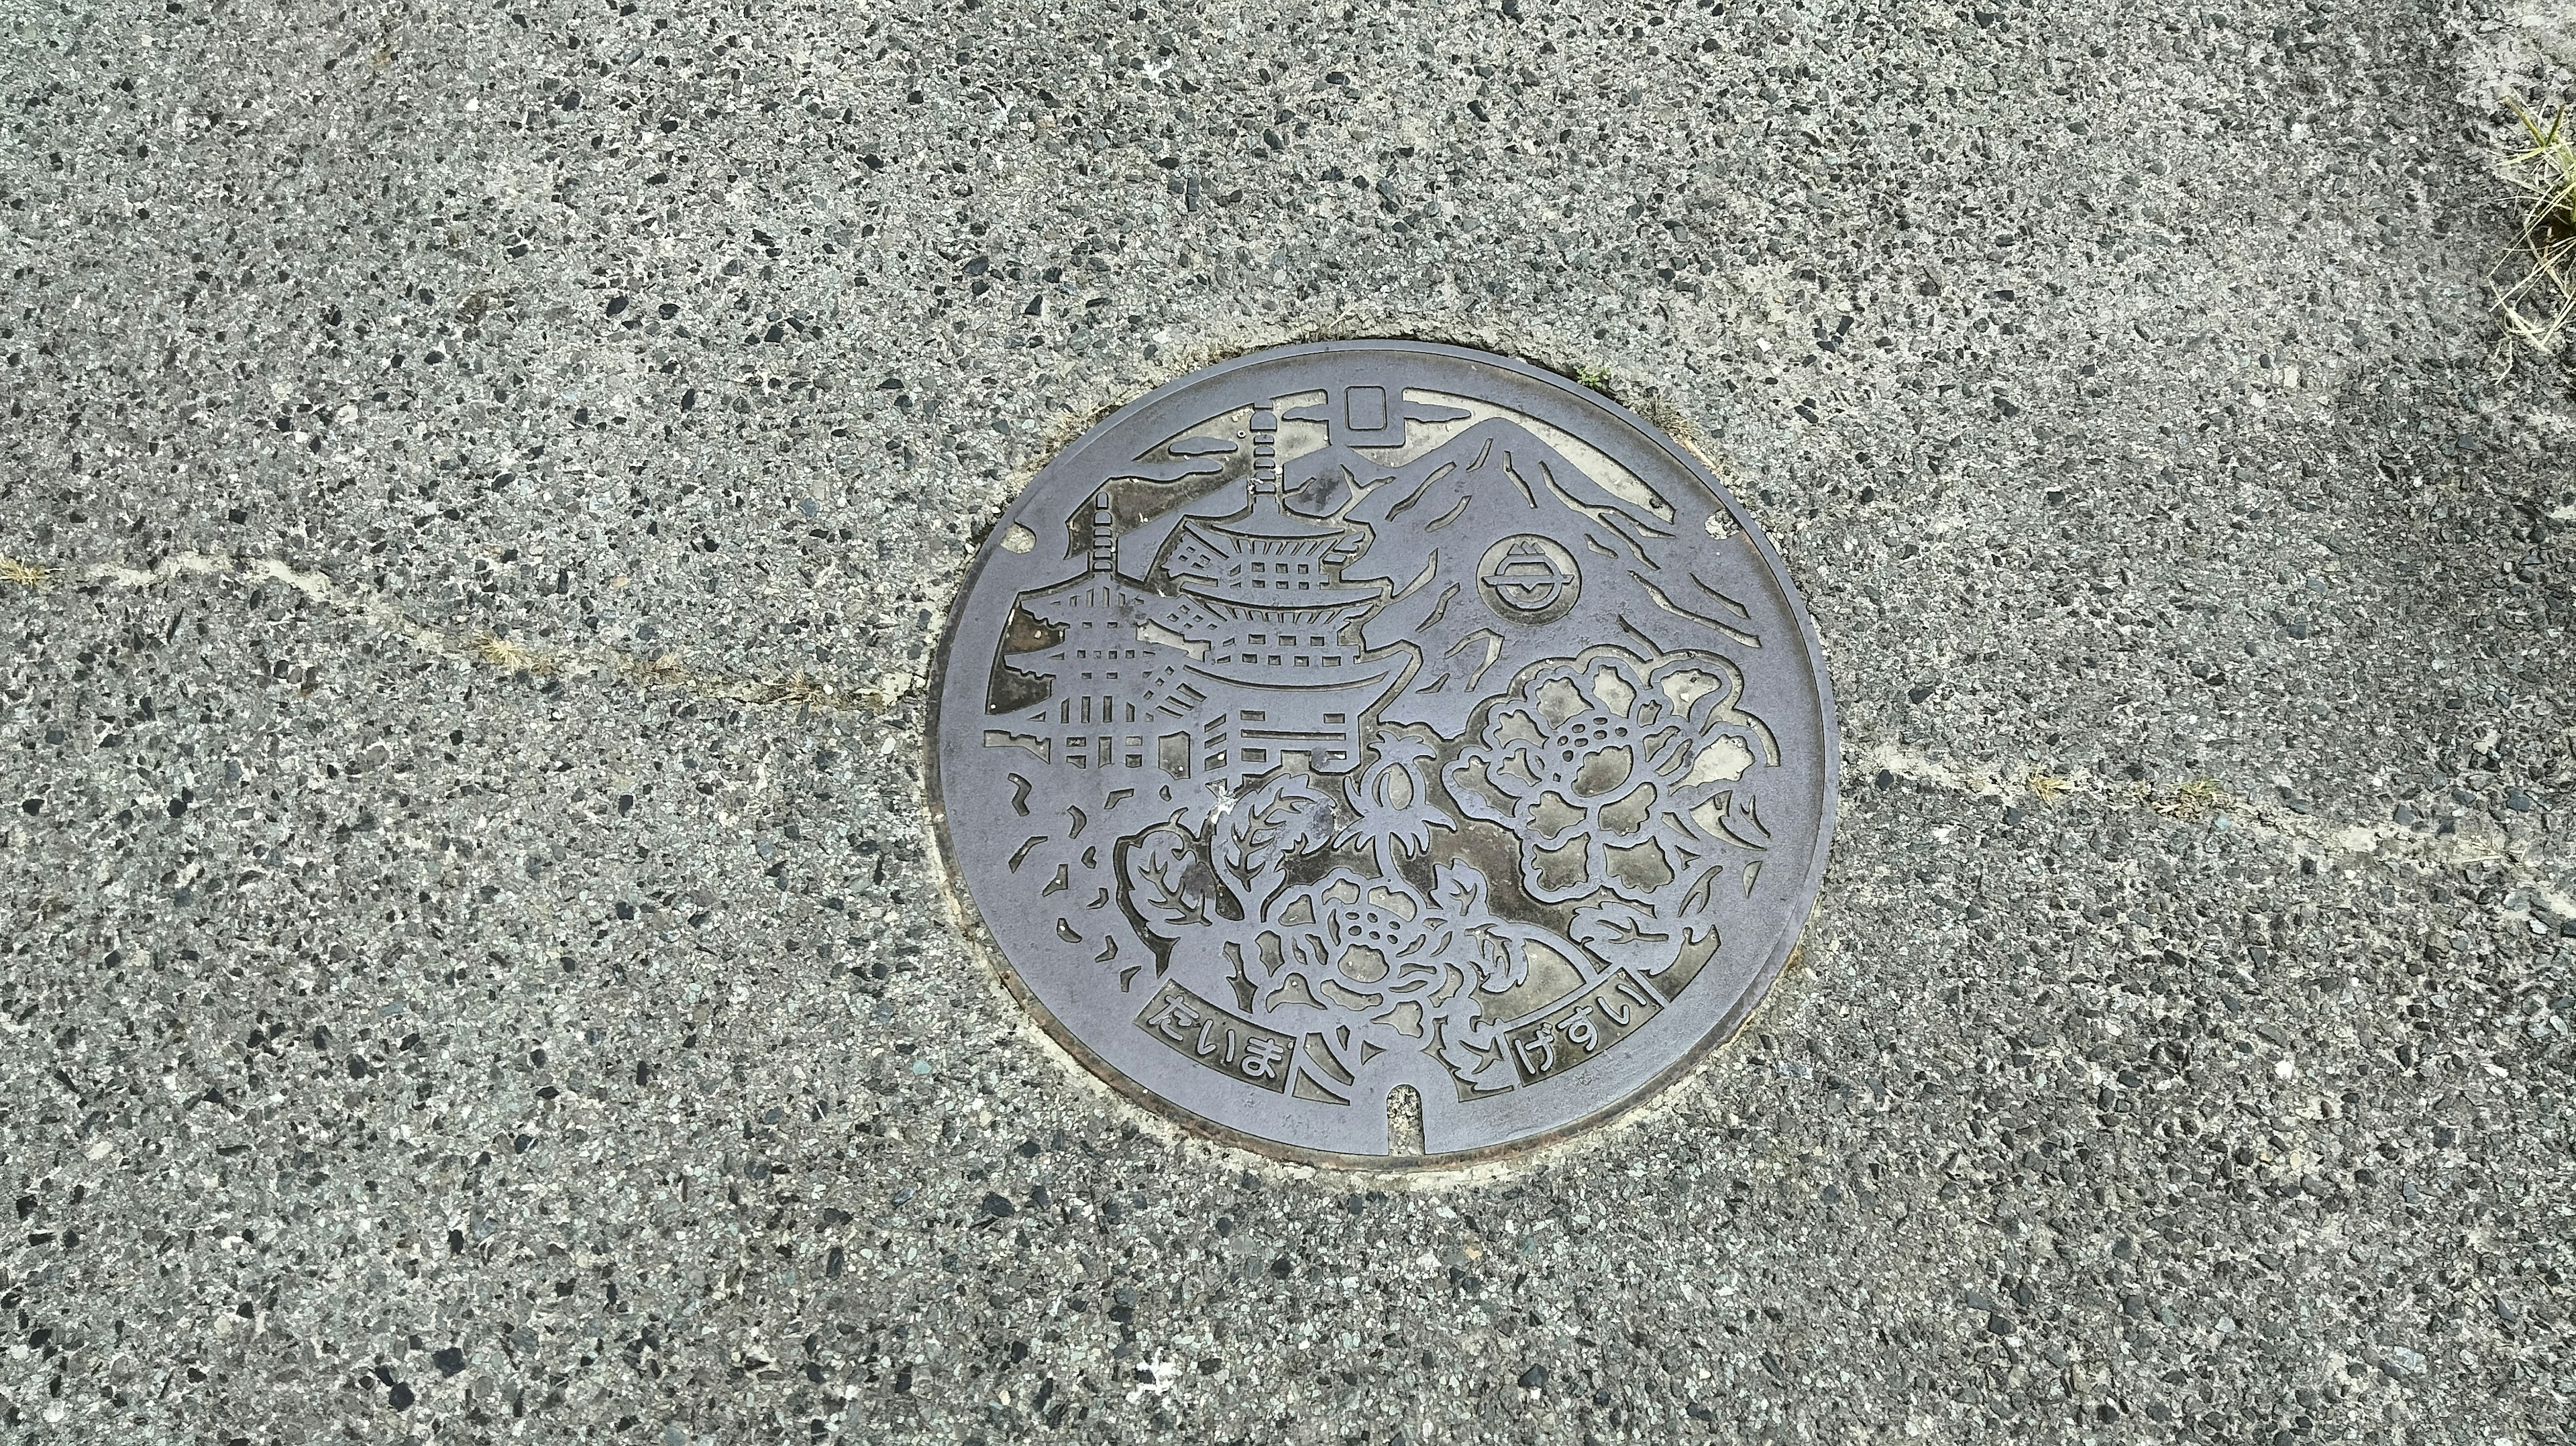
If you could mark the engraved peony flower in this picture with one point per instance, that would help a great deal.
(1382, 949)
(1376, 940)
(1618, 774)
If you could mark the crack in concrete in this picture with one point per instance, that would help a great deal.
(2194, 802)
(2202, 801)
(480, 645)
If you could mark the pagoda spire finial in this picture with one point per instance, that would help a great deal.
(1104, 536)
(1265, 449)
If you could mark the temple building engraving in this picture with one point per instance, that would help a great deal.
(1253, 662)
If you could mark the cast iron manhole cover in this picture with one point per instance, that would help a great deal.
(1381, 752)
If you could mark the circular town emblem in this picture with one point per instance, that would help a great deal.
(1382, 753)
(1530, 579)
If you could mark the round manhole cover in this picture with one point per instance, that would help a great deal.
(1382, 752)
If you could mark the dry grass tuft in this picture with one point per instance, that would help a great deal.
(2195, 800)
(662, 672)
(24, 574)
(2048, 787)
(796, 688)
(500, 652)
(2539, 305)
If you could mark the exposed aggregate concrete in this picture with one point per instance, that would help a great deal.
(481, 483)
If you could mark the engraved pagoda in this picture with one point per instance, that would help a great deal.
(1254, 661)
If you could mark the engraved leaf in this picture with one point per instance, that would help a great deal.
(1281, 820)
(1459, 886)
(1621, 934)
(1168, 883)
(1500, 961)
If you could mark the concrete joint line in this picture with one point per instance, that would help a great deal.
(479, 645)
(2202, 803)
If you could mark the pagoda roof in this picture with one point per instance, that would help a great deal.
(1091, 593)
(1268, 521)
(1229, 605)
(1323, 595)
